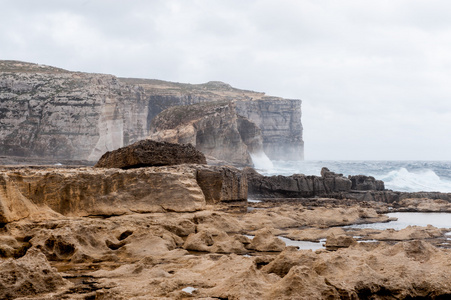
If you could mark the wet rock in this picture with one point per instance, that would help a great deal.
(366, 183)
(149, 153)
(297, 185)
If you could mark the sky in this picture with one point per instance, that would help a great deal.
(374, 77)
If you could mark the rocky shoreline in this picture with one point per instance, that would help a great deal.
(131, 228)
(207, 253)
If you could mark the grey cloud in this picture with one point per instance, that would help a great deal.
(373, 75)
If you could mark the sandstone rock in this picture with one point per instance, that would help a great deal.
(141, 256)
(201, 241)
(222, 184)
(334, 242)
(313, 234)
(423, 205)
(13, 205)
(265, 241)
(217, 220)
(85, 191)
(302, 282)
(32, 192)
(148, 153)
(214, 241)
(285, 216)
(396, 271)
(408, 233)
(28, 276)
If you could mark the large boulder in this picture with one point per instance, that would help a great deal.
(222, 184)
(366, 183)
(296, 186)
(148, 153)
(26, 192)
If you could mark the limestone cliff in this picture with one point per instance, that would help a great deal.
(214, 128)
(51, 112)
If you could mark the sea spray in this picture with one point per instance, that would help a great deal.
(261, 161)
(424, 180)
(404, 176)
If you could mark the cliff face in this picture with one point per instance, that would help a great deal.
(50, 112)
(280, 123)
(214, 128)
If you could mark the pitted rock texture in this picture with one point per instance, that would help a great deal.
(222, 184)
(207, 255)
(54, 113)
(29, 275)
(148, 153)
(25, 192)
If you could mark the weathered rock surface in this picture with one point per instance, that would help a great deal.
(215, 129)
(29, 275)
(54, 113)
(297, 185)
(265, 241)
(335, 242)
(406, 270)
(423, 205)
(222, 184)
(148, 153)
(332, 185)
(280, 124)
(199, 255)
(107, 192)
(366, 183)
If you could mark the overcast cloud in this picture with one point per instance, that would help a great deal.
(374, 76)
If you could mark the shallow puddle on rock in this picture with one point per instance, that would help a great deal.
(254, 201)
(302, 245)
(249, 209)
(439, 220)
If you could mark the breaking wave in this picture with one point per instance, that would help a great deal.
(424, 180)
(403, 176)
(262, 162)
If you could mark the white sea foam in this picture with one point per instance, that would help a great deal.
(261, 161)
(424, 180)
(404, 219)
(403, 176)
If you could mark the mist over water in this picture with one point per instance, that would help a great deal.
(404, 176)
(262, 162)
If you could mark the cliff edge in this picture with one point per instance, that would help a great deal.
(49, 112)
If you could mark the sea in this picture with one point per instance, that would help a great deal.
(404, 176)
